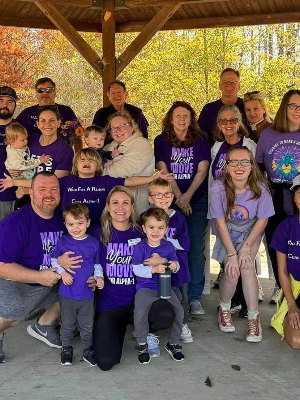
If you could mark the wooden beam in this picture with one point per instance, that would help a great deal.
(71, 34)
(147, 33)
(109, 47)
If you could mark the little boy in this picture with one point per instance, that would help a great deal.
(76, 299)
(161, 196)
(94, 137)
(155, 224)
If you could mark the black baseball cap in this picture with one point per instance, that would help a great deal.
(9, 92)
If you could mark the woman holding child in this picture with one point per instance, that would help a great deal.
(240, 206)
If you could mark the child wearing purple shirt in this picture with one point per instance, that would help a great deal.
(155, 224)
(161, 196)
(76, 299)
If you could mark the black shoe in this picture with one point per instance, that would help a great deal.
(66, 355)
(88, 356)
(174, 351)
(243, 313)
(143, 357)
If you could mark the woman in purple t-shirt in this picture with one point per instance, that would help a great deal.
(183, 149)
(119, 233)
(240, 206)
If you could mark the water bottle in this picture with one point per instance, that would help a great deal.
(165, 284)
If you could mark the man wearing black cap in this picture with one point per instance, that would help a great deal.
(8, 98)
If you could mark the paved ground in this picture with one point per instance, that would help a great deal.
(268, 370)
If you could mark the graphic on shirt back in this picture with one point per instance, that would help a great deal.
(239, 212)
(119, 265)
(286, 160)
(49, 242)
(182, 164)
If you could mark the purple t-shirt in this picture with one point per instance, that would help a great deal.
(183, 162)
(116, 261)
(142, 251)
(89, 249)
(219, 162)
(28, 239)
(28, 117)
(280, 153)
(178, 235)
(244, 209)
(61, 153)
(8, 194)
(208, 116)
(286, 239)
(89, 191)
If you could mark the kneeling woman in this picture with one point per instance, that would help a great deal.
(286, 241)
(240, 206)
(119, 234)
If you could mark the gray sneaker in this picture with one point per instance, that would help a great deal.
(2, 355)
(196, 307)
(46, 333)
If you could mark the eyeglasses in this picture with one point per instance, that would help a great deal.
(159, 196)
(119, 128)
(231, 121)
(293, 106)
(242, 163)
(45, 90)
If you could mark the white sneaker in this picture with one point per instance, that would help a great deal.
(260, 292)
(275, 295)
(254, 334)
(186, 335)
(225, 320)
(196, 307)
(153, 345)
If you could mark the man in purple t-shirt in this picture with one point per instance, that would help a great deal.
(229, 86)
(8, 98)
(27, 239)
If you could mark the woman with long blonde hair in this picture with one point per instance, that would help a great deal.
(240, 206)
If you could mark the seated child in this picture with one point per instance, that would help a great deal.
(161, 196)
(94, 137)
(155, 224)
(76, 298)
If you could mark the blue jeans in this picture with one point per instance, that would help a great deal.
(197, 223)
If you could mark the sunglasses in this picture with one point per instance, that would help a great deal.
(159, 196)
(235, 163)
(45, 90)
(231, 121)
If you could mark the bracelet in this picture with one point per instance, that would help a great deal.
(231, 255)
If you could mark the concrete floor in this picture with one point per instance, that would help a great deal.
(269, 370)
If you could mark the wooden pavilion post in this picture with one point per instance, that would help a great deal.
(108, 47)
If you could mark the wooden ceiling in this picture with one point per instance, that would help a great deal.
(133, 15)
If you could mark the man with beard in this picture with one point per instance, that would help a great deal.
(8, 98)
(27, 239)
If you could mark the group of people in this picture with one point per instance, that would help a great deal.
(234, 166)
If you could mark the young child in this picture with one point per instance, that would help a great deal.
(76, 299)
(161, 196)
(94, 137)
(18, 153)
(155, 224)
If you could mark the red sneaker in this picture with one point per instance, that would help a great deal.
(225, 320)
(254, 330)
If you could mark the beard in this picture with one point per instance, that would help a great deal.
(5, 113)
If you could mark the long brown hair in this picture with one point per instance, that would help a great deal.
(281, 123)
(255, 180)
(87, 153)
(193, 130)
(218, 135)
(106, 222)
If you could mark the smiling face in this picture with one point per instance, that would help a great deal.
(120, 208)
(95, 140)
(120, 129)
(48, 123)
(117, 96)
(155, 230)
(181, 119)
(297, 198)
(229, 86)
(255, 111)
(293, 116)
(166, 195)
(77, 227)
(45, 195)
(47, 97)
(239, 172)
(229, 125)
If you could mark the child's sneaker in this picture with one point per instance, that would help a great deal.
(153, 345)
(2, 355)
(225, 320)
(66, 355)
(186, 334)
(143, 357)
(46, 333)
(88, 356)
(254, 330)
(175, 351)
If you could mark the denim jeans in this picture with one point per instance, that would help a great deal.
(197, 223)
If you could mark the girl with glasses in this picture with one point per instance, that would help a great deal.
(240, 206)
